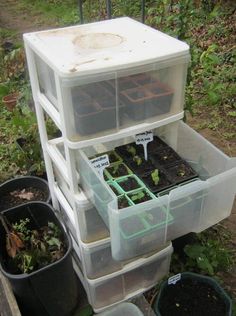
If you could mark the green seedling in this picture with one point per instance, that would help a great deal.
(138, 160)
(155, 176)
(131, 150)
(181, 173)
(114, 170)
(137, 196)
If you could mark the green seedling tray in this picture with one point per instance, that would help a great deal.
(127, 198)
(109, 175)
(137, 191)
(117, 187)
(161, 224)
(122, 179)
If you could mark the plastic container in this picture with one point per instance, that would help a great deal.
(210, 198)
(127, 309)
(38, 186)
(194, 277)
(126, 80)
(36, 292)
(135, 279)
(86, 223)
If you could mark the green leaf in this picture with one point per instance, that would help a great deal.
(194, 251)
(232, 113)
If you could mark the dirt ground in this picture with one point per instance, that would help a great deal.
(13, 18)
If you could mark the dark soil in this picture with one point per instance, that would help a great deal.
(163, 183)
(18, 197)
(156, 145)
(124, 152)
(113, 158)
(129, 184)
(181, 172)
(195, 298)
(122, 202)
(144, 167)
(166, 156)
(118, 171)
(145, 198)
(114, 189)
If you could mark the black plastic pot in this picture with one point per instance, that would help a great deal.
(191, 298)
(51, 290)
(21, 183)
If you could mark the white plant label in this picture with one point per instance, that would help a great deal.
(175, 278)
(144, 139)
(100, 163)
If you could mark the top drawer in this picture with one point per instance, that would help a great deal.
(104, 83)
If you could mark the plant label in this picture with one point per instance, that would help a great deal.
(144, 139)
(175, 278)
(100, 163)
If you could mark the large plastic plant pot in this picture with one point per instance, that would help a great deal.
(51, 290)
(37, 185)
(192, 294)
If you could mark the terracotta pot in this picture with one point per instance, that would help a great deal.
(10, 100)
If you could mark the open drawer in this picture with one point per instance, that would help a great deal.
(192, 207)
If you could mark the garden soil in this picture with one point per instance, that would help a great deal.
(21, 21)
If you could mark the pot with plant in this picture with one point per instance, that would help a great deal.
(181, 172)
(117, 170)
(139, 165)
(35, 257)
(192, 294)
(157, 180)
(166, 156)
(23, 190)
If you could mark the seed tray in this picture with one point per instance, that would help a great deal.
(121, 167)
(133, 178)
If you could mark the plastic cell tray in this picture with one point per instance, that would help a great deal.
(124, 82)
(208, 203)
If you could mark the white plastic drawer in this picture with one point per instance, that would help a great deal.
(127, 309)
(136, 279)
(127, 81)
(85, 222)
(192, 207)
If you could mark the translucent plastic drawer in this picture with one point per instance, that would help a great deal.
(102, 78)
(87, 221)
(136, 279)
(192, 207)
(127, 309)
(98, 260)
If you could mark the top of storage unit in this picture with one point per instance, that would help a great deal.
(103, 46)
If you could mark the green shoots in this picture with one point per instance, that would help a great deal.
(131, 150)
(137, 196)
(155, 176)
(138, 160)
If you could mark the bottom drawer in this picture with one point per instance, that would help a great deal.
(136, 279)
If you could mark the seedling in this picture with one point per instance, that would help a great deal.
(138, 160)
(131, 150)
(181, 173)
(155, 176)
(137, 196)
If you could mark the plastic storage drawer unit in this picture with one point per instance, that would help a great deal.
(102, 78)
(191, 207)
(133, 280)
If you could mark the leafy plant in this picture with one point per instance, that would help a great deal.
(137, 196)
(155, 176)
(32, 249)
(131, 150)
(138, 160)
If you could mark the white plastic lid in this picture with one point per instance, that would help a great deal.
(125, 309)
(103, 46)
